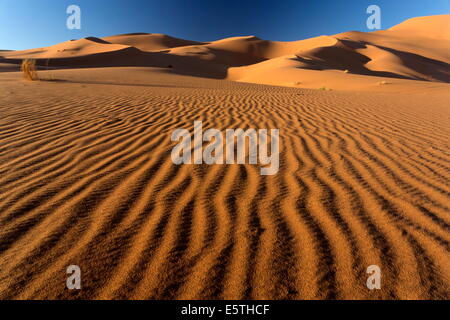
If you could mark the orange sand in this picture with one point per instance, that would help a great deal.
(86, 176)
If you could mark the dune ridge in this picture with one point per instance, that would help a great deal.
(417, 49)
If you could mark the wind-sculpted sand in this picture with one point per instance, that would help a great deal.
(86, 178)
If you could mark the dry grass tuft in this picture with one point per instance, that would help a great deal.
(29, 70)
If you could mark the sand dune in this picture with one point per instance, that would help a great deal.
(86, 175)
(417, 49)
(400, 52)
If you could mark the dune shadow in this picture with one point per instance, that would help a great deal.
(54, 80)
(97, 40)
(328, 58)
(352, 44)
(133, 57)
(118, 83)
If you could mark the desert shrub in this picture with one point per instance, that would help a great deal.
(29, 69)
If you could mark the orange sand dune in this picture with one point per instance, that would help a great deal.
(437, 27)
(86, 176)
(417, 49)
(239, 51)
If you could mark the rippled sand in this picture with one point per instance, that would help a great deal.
(86, 178)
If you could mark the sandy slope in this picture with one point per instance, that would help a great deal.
(86, 178)
(150, 41)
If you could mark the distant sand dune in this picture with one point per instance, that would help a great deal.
(417, 49)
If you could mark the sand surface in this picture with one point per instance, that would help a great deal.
(86, 175)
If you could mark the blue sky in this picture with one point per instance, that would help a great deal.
(36, 23)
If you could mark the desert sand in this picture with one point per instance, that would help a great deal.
(86, 176)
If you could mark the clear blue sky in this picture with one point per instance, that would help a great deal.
(37, 23)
